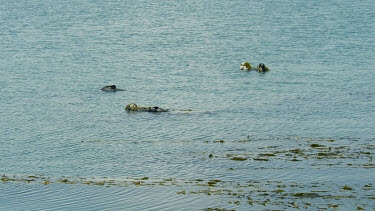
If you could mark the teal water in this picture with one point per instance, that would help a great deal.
(56, 122)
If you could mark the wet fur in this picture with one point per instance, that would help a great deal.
(134, 107)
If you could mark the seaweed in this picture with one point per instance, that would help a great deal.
(239, 158)
(317, 146)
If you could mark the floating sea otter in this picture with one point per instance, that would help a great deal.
(134, 107)
(111, 88)
(261, 67)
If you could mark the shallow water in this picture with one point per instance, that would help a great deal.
(246, 129)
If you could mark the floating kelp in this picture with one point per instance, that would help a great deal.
(217, 209)
(310, 149)
(317, 146)
(255, 194)
(238, 158)
(246, 159)
(267, 154)
(347, 188)
(261, 159)
(306, 195)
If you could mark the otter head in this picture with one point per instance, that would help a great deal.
(131, 107)
(109, 88)
(262, 68)
(246, 65)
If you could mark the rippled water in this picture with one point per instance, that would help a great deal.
(302, 133)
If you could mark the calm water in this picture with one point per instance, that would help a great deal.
(308, 123)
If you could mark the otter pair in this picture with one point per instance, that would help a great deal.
(261, 67)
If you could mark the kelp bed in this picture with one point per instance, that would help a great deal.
(241, 194)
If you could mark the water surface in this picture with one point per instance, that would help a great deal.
(251, 135)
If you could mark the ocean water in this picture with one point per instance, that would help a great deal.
(299, 136)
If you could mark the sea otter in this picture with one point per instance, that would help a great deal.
(245, 66)
(261, 67)
(134, 107)
(111, 88)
